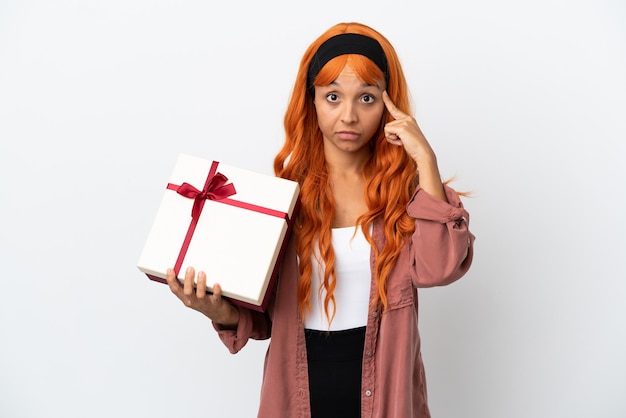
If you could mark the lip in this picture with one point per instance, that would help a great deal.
(348, 135)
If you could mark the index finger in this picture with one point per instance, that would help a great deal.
(391, 107)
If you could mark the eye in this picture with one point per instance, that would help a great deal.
(332, 97)
(368, 98)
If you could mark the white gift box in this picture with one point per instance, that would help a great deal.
(237, 240)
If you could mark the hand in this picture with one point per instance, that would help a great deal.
(404, 131)
(213, 305)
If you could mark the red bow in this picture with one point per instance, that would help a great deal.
(215, 189)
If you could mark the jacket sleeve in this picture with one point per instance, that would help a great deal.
(252, 325)
(442, 247)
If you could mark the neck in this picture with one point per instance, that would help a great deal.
(346, 164)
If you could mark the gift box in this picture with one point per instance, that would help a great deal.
(229, 222)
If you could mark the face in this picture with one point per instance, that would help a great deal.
(349, 113)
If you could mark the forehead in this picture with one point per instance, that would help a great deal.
(365, 68)
(348, 77)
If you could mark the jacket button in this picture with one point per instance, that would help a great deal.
(368, 393)
(375, 314)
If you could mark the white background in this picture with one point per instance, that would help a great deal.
(523, 101)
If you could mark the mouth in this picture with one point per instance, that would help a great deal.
(348, 135)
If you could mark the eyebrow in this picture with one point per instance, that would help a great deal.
(364, 85)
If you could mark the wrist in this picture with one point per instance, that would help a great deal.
(430, 179)
(230, 319)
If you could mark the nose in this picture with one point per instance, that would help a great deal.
(348, 113)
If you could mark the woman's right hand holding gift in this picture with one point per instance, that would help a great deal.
(194, 295)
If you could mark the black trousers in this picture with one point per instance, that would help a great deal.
(335, 360)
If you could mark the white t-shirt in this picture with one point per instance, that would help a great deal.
(352, 267)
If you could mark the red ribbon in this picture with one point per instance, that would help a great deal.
(215, 188)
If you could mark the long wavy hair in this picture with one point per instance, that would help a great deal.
(390, 175)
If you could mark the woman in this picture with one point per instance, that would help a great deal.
(376, 223)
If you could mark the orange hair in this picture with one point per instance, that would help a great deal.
(390, 175)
